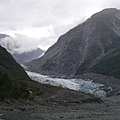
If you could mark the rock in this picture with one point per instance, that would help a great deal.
(81, 48)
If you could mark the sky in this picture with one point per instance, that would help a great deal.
(40, 22)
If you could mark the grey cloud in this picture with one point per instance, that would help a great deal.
(62, 15)
(10, 44)
(19, 44)
(114, 3)
(25, 42)
(40, 12)
(25, 13)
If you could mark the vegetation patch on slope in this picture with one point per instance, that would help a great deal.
(10, 88)
(110, 65)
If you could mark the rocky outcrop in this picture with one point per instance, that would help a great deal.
(77, 51)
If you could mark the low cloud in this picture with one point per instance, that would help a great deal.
(41, 22)
(26, 43)
(10, 44)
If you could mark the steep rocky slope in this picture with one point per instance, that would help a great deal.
(77, 51)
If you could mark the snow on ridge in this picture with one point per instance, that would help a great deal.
(74, 84)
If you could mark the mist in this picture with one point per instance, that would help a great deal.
(39, 23)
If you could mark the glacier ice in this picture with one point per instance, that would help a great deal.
(74, 84)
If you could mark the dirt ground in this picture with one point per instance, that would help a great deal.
(61, 110)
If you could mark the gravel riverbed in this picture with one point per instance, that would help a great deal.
(56, 110)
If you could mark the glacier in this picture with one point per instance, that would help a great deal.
(73, 84)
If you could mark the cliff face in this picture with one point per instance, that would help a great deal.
(77, 51)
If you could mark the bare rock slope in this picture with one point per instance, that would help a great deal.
(83, 47)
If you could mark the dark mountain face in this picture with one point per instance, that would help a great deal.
(12, 77)
(83, 47)
(28, 56)
(10, 66)
(109, 65)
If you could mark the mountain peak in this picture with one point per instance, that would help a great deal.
(107, 11)
(110, 10)
(77, 51)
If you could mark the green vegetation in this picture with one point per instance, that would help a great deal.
(10, 88)
(82, 68)
(48, 65)
(12, 78)
(15, 83)
(94, 52)
(110, 65)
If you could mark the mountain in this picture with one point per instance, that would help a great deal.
(81, 48)
(28, 56)
(15, 49)
(109, 65)
(10, 66)
(15, 84)
(12, 77)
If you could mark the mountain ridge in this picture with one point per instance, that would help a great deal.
(77, 51)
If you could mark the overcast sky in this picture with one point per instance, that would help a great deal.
(40, 22)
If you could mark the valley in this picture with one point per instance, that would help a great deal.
(87, 86)
(77, 78)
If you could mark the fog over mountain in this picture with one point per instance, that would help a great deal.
(9, 43)
(20, 52)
